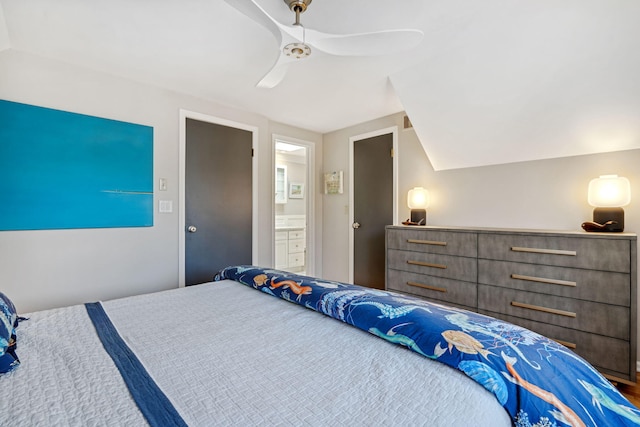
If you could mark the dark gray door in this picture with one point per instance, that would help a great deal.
(373, 207)
(218, 199)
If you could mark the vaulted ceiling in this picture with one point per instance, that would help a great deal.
(493, 81)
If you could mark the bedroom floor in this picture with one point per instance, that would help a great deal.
(631, 392)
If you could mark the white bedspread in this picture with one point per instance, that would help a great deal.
(225, 354)
(65, 377)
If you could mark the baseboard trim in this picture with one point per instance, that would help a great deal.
(638, 366)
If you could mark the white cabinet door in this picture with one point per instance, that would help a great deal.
(281, 184)
(282, 252)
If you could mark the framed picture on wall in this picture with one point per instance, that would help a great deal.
(333, 182)
(296, 190)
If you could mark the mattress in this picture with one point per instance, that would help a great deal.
(224, 354)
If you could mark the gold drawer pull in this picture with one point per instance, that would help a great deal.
(544, 309)
(426, 264)
(543, 280)
(544, 251)
(566, 343)
(431, 288)
(427, 242)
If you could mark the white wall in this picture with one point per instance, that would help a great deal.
(51, 268)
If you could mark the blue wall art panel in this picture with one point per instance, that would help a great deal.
(64, 170)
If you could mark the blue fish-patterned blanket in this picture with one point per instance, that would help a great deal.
(538, 381)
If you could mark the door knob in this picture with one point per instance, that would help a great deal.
(355, 225)
(192, 229)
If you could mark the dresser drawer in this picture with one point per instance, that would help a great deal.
(452, 267)
(433, 241)
(296, 234)
(439, 288)
(597, 349)
(296, 260)
(590, 253)
(296, 245)
(603, 319)
(591, 285)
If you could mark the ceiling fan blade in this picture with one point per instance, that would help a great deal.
(282, 34)
(365, 44)
(362, 44)
(276, 73)
(254, 11)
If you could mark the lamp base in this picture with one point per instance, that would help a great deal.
(419, 216)
(604, 215)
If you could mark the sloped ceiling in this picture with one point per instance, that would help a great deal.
(530, 80)
(493, 81)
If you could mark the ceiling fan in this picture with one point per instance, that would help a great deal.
(296, 41)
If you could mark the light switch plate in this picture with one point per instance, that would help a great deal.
(165, 206)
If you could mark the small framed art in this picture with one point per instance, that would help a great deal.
(296, 190)
(333, 182)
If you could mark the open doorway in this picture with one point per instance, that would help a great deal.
(294, 190)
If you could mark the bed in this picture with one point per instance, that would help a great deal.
(264, 347)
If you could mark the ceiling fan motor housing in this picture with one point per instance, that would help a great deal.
(298, 5)
(298, 50)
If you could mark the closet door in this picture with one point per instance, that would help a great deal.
(373, 207)
(218, 199)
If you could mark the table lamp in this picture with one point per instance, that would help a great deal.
(608, 194)
(418, 201)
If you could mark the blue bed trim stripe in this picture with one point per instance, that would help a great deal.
(151, 401)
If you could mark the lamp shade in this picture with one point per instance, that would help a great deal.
(418, 198)
(609, 191)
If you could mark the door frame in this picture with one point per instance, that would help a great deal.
(390, 130)
(310, 231)
(182, 148)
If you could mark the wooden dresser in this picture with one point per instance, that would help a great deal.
(577, 288)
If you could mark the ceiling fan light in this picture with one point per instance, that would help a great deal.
(297, 50)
